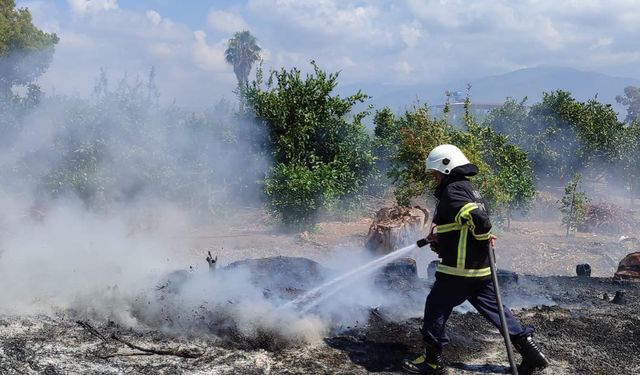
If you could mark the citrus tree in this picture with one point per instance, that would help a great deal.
(419, 133)
(510, 173)
(631, 100)
(561, 134)
(321, 152)
(628, 168)
(505, 175)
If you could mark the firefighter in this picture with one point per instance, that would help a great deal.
(461, 235)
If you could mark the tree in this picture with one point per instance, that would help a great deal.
(573, 205)
(629, 164)
(510, 119)
(386, 138)
(321, 152)
(599, 133)
(25, 50)
(561, 134)
(506, 177)
(419, 133)
(242, 51)
(511, 173)
(631, 100)
(554, 143)
(572, 135)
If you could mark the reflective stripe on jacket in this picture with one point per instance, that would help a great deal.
(463, 228)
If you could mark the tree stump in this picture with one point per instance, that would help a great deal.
(629, 268)
(401, 274)
(396, 227)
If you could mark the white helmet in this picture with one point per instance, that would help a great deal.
(444, 158)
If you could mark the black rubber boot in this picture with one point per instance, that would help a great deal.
(430, 362)
(532, 357)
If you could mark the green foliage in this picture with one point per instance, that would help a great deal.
(25, 51)
(121, 146)
(628, 167)
(105, 149)
(505, 174)
(311, 138)
(486, 181)
(386, 138)
(573, 205)
(509, 119)
(561, 134)
(511, 181)
(242, 52)
(78, 172)
(419, 134)
(599, 133)
(631, 100)
(554, 123)
(297, 192)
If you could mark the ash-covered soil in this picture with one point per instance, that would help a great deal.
(584, 333)
(577, 324)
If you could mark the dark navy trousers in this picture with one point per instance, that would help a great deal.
(450, 291)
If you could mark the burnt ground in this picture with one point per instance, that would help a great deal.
(585, 333)
(577, 324)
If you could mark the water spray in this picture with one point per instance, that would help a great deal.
(312, 298)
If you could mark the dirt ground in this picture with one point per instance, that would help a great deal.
(577, 325)
(536, 247)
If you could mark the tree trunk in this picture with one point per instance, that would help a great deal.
(396, 227)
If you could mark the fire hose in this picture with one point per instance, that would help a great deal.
(503, 323)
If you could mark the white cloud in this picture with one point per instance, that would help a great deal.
(421, 41)
(404, 69)
(601, 42)
(551, 37)
(126, 42)
(76, 41)
(329, 18)
(209, 57)
(411, 34)
(84, 6)
(487, 36)
(347, 62)
(161, 50)
(154, 17)
(226, 22)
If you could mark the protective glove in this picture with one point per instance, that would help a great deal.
(432, 240)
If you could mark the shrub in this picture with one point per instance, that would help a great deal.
(322, 157)
(573, 205)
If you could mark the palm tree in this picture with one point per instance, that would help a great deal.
(242, 51)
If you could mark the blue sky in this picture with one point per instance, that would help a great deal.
(404, 42)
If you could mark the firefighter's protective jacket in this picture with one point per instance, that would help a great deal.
(462, 225)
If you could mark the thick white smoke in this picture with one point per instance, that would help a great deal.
(71, 258)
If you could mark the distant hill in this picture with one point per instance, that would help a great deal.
(529, 82)
(532, 82)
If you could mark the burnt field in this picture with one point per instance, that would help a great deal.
(586, 325)
(579, 324)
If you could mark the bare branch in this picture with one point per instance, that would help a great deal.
(178, 352)
(89, 328)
